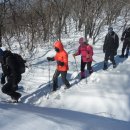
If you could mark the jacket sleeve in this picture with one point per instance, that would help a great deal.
(65, 59)
(90, 50)
(105, 43)
(55, 58)
(117, 42)
(123, 34)
(4, 69)
(12, 66)
(78, 52)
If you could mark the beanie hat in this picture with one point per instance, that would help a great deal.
(1, 52)
(82, 40)
(110, 29)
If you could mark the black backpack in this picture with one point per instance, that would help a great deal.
(20, 63)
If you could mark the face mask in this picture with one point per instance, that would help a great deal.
(111, 33)
(57, 49)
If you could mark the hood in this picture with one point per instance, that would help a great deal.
(59, 45)
(82, 41)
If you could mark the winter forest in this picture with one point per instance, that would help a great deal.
(100, 101)
(40, 21)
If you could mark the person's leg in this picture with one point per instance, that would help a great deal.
(18, 79)
(123, 49)
(89, 67)
(127, 49)
(17, 95)
(64, 79)
(14, 95)
(112, 59)
(82, 69)
(106, 60)
(55, 80)
(9, 90)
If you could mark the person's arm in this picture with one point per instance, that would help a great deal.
(117, 42)
(105, 43)
(123, 35)
(12, 67)
(65, 59)
(77, 53)
(50, 58)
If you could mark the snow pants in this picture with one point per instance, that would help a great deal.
(9, 88)
(126, 46)
(64, 79)
(89, 68)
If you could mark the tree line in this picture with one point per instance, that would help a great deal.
(41, 20)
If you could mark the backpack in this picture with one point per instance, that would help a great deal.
(20, 62)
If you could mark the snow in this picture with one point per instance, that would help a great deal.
(23, 116)
(99, 102)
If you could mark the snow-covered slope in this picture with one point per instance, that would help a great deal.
(26, 117)
(99, 102)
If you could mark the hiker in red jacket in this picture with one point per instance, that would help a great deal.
(86, 52)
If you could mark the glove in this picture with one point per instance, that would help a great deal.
(3, 79)
(122, 38)
(88, 56)
(60, 63)
(74, 55)
(50, 58)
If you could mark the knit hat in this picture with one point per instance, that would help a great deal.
(110, 29)
(82, 40)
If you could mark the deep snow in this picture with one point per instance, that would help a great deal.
(99, 102)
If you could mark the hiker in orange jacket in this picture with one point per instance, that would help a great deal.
(62, 65)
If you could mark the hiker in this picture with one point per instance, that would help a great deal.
(11, 72)
(86, 52)
(126, 43)
(61, 58)
(110, 47)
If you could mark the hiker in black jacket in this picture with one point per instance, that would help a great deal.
(126, 43)
(110, 47)
(9, 70)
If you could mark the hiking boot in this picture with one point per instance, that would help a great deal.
(126, 56)
(16, 97)
(67, 87)
(105, 67)
(121, 56)
(114, 66)
(82, 78)
(54, 89)
(90, 71)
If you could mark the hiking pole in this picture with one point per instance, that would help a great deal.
(76, 66)
(49, 73)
